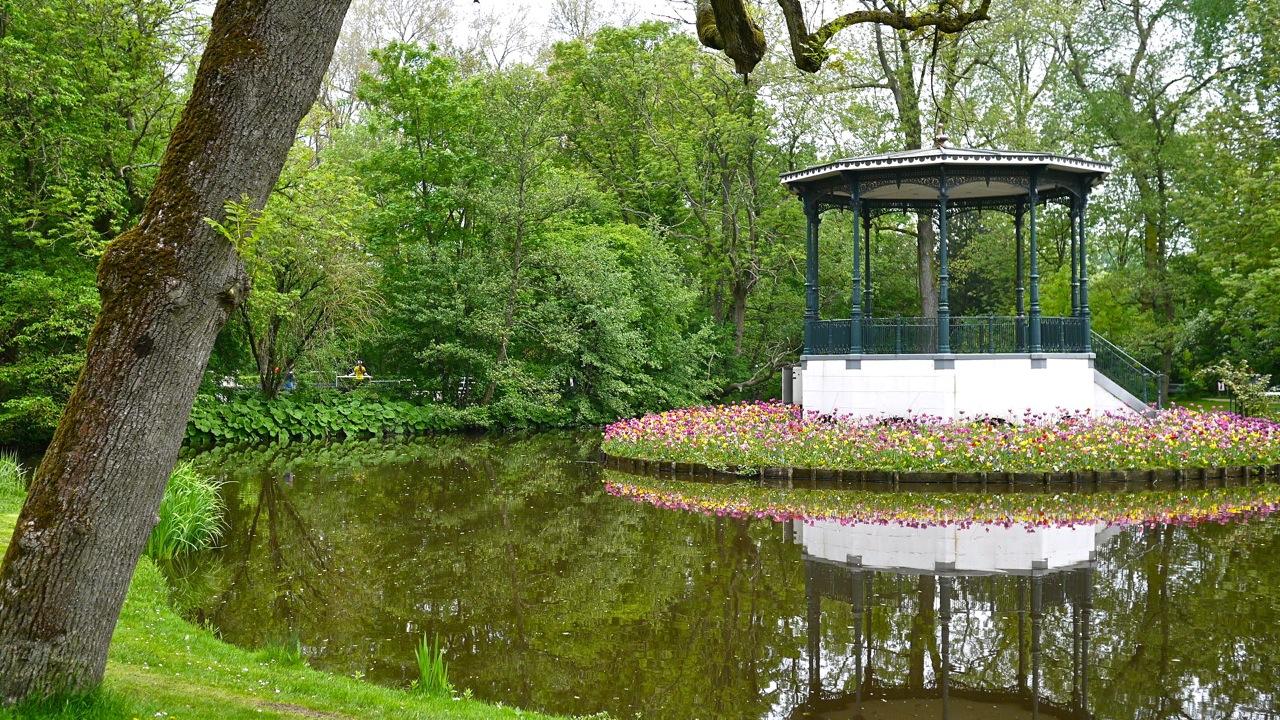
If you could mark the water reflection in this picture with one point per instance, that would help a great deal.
(551, 594)
(960, 576)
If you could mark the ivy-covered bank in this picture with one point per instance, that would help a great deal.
(319, 416)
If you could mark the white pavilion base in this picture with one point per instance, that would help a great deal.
(952, 386)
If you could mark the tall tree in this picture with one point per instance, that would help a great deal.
(314, 283)
(1141, 73)
(167, 285)
(88, 95)
(683, 142)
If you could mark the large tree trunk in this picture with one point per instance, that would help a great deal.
(167, 287)
(926, 246)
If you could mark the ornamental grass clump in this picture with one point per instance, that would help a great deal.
(191, 515)
(433, 671)
(762, 434)
(13, 480)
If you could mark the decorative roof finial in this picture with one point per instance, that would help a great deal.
(940, 140)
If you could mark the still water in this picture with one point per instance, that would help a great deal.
(551, 594)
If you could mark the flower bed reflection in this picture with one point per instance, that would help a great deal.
(915, 509)
(755, 435)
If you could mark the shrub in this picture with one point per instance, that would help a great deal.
(190, 515)
(317, 416)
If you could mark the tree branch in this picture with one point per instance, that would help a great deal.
(809, 50)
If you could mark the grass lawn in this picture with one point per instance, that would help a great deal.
(1205, 404)
(161, 666)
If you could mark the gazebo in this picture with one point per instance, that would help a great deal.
(865, 364)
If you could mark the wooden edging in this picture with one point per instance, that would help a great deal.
(1086, 479)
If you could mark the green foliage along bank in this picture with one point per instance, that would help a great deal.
(318, 416)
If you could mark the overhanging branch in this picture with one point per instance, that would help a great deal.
(725, 25)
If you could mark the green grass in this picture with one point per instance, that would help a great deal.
(1207, 404)
(161, 666)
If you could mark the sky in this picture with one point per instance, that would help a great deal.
(536, 14)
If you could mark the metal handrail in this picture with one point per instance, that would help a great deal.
(1103, 342)
(1125, 371)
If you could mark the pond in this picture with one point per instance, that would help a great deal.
(552, 594)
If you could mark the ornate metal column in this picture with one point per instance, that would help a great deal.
(866, 233)
(1017, 239)
(855, 311)
(1034, 329)
(944, 284)
(1084, 270)
(810, 270)
(1073, 216)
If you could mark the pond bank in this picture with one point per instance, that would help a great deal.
(161, 666)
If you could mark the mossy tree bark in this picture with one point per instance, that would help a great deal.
(167, 287)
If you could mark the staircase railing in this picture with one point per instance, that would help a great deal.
(1141, 381)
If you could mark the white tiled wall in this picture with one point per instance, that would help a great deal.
(977, 385)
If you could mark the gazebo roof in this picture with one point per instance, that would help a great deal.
(973, 174)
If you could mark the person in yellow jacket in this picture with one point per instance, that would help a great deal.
(359, 371)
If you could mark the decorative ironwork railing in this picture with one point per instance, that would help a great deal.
(991, 334)
(1141, 382)
(969, 335)
(900, 335)
(829, 337)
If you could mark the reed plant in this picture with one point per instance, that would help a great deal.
(13, 481)
(285, 650)
(433, 671)
(191, 515)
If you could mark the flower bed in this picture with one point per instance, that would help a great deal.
(741, 500)
(750, 436)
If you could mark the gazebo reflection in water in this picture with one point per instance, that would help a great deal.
(973, 602)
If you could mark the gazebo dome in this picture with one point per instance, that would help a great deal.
(914, 176)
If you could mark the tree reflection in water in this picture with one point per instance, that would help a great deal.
(551, 594)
